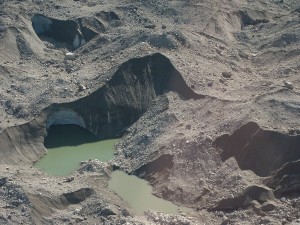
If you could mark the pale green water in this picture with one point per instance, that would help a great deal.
(138, 193)
(68, 145)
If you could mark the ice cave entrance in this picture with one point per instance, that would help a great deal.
(68, 34)
(68, 145)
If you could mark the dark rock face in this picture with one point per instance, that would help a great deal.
(259, 150)
(77, 196)
(127, 95)
(107, 113)
(73, 36)
(255, 19)
(76, 32)
(286, 180)
(159, 165)
(23, 143)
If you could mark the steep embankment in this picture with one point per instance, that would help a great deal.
(107, 112)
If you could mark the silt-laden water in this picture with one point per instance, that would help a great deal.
(68, 145)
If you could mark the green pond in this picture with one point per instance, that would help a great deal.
(138, 193)
(68, 145)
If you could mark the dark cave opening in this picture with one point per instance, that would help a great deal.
(246, 20)
(68, 34)
(68, 135)
(76, 196)
(109, 111)
(68, 145)
(259, 150)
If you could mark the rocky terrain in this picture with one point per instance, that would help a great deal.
(203, 94)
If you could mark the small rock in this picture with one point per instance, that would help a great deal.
(150, 26)
(225, 221)
(188, 127)
(69, 179)
(226, 74)
(95, 58)
(288, 85)
(267, 207)
(77, 211)
(208, 138)
(125, 212)
(256, 208)
(210, 84)
(109, 210)
(221, 80)
(70, 56)
(243, 55)
(82, 87)
(163, 26)
(3, 181)
(78, 218)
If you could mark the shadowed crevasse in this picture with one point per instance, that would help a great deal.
(286, 180)
(62, 33)
(259, 150)
(77, 196)
(158, 165)
(107, 112)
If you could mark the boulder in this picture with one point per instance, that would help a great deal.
(70, 56)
